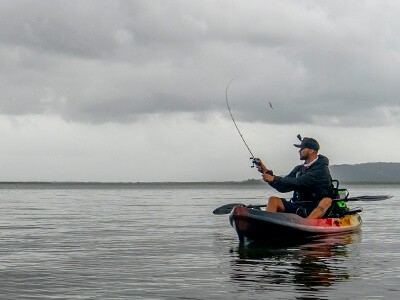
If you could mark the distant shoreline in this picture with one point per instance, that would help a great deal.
(358, 174)
(244, 182)
(213, 185)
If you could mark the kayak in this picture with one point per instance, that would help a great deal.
(255, 224)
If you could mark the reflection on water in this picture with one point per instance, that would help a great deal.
(305, 268)
(163, 243)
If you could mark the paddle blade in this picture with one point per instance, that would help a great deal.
(369, 198)
(225, 209)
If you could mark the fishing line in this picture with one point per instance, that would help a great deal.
(234, 122)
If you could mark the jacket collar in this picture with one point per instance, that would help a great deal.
(309, 164)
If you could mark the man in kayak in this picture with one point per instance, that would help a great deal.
(310, 182)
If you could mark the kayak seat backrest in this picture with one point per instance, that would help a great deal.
(336, 193)
(338, 208)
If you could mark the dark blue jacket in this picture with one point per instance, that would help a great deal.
(308, 184)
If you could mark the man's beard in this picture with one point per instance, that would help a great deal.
(304, 157)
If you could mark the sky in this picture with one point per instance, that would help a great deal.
(134, 91)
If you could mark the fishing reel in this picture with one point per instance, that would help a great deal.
(255, 162)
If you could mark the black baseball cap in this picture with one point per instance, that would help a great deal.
(309, 143)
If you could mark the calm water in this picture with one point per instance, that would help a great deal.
(163, 242)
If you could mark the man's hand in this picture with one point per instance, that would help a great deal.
(268, 178)
(260, 166)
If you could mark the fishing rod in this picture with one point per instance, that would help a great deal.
(255, 160)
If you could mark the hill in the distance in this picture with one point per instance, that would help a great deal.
(367, 172)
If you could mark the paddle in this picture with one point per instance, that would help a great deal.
(366, 198)
(227, 208)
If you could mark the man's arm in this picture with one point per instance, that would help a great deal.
(283, 184)
(276, 183)
(305, 180)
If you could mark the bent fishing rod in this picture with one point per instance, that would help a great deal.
(255, 160)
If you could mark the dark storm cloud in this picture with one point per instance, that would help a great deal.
(76, 28)
(116, 61)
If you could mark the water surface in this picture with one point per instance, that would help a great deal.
(99, 241)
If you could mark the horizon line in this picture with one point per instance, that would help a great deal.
(246, 181)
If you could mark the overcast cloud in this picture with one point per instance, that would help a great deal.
(112, 61)
(320, 63)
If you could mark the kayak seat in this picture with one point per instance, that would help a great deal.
(338, 208)
(336, 212)
(336, 193)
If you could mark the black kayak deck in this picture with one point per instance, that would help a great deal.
(255, 224)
